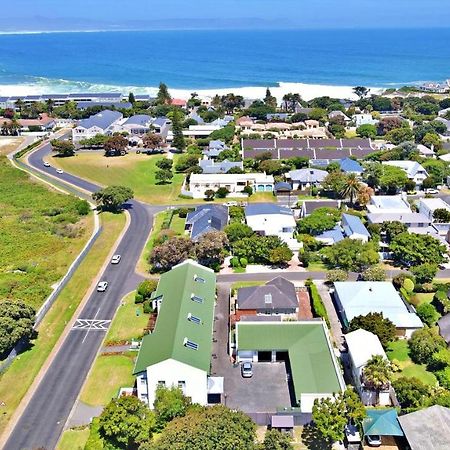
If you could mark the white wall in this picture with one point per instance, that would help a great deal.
(307, 401)
(172, 372)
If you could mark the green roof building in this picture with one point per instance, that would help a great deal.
(178, 352)
(314, 370)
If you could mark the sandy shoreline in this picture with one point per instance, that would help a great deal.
(307, 91)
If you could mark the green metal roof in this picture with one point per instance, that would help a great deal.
(311, 359)
(173, 325)
(383, 422)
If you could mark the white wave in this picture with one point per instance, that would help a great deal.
(42, 85)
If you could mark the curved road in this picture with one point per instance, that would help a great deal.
(43, 419)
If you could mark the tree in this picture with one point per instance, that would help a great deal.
(222, 192)
(398, 136)
(411, 249)
(391, 229)
(177, 129)
(337, 275)
(145, 290)
(361, 91)
(432, 140)
(427, 313)
(186, 162)
(210, 248)
(441, 215)
(209, 195)
(392, 179)
(63, 148)
(164, 163)
(351, 255)
(423, 343)
(131, 98)
(376, 324)
(230, 102)
(152, 141)
(329, 418)
(364, 195)
(16, 323)
(377, 374)
(355, 410)
(163, 176)
(126, 422)
(257, 249)
(97, 141)
(207, 428)
(169, 403)
(270, 100)
(351, 188)
(236, 231)
(334, 182)
(411, 392)
(280, 255)
(276, 440)
(272, 167)
(374, 273)
(424, 273)
(318, 221)
(163, 97)
(367, 131)
(112, 198)
(116, 145)
(172, 252)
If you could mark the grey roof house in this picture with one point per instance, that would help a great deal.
(277, 296)
(350, 227)
(302, 178)
(309, 206)
(215, 148)
(206, 218)
(444, 327)
(210, 166)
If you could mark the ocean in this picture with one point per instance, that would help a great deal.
(202, 60)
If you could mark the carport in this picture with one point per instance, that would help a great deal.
(382, 422)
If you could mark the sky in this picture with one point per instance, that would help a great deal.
(50, 15)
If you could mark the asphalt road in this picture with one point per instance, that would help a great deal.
(43, 420)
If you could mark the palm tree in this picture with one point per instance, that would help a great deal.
(19, 104)
(50, 104)
(351, 188)
(377, 374)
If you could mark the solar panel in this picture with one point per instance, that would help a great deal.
(194, 319)
(196, 298)
(190, 344)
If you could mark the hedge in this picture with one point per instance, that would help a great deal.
(317, 303)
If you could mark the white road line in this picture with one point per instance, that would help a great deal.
(96, 314)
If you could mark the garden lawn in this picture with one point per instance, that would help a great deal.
(399, 352)
(73, 439)
(108, 375)
(418, 299)
(129, 322)
(15, 382)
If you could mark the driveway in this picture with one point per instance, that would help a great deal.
(266, 391)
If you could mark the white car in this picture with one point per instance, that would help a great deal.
(431, 191)
(59, 171)
(230, 203)
(46, 164)
(102, 286)
(247, 369)
(374, 440)
(116, 259)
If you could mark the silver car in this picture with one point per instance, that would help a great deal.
(102, 286)
(246, 369)
(116, 259)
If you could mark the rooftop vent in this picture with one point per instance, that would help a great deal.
(190, 344)
(268, 299)
(194, 319)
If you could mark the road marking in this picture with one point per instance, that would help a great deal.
(91, 324)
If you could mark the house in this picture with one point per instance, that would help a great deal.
(364, 119)
(359, 298)
(276, 297)
(410, 219)
(206, 218)
(340, 114)
(350, 227)
(178, 102)
(382, 422)
(215, 148)
(304, 345)
(308, 206)
(387, 204)
(349, 165)
(436, 88)
(101, 123)
(444, 327)
(235, 183)
(43, 123)
(210, 166)
(425, 151)
(427, 206)
(446, 122)
(113, 105)
(414, 171)
(427, 429)
(178, 352)
(270, 219)
(304, 178)
(362, 346)
(138, 124)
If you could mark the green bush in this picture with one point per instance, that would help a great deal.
(234, 262)
(317, 303)
(138, 298)
(147, 307)
(243, 262)
(427, 313)
(82, 207)
(408, 285)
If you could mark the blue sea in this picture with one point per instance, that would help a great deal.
(93, 61)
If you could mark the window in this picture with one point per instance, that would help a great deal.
(190, 344)
(196, 298)
(182, 386)
(199, 279)
(194, 319)
(161, 383)
(160, 297)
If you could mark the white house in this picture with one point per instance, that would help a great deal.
(178, 352)
(235, 183)
(101, 123)
(387, 204)
(269, 219)
(362, 346)
(414, 171)
(427, 206)
(364, 119)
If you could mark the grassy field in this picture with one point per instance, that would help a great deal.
(127, 324)
(136, 172)
(108, 375)
(15, 382)
(399, 352)
(41, 234)
(73, 439)
(7, 145)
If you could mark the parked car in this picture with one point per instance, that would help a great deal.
(59, 171)
(374, 440)
(230, 203)
(246, 369)
(116, 259)
(46, 164)
(102, 286)
(431, 191)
